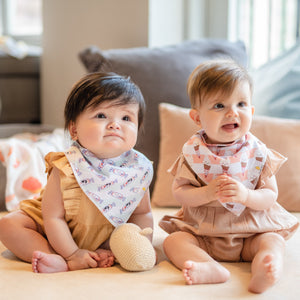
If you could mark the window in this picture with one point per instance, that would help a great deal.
(22, 20)
(268, 27)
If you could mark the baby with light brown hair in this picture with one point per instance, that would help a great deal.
(225, 181)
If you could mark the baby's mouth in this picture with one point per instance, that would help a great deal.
(230, 126)
(113, 135)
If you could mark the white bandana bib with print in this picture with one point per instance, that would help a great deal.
(115, 185)
(243, 160)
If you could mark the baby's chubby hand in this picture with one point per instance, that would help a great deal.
(214, 186)
(82, 259)
(230, 190)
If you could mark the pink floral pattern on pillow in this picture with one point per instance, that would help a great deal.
(23, 157)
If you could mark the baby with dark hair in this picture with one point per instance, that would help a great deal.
(98, 184)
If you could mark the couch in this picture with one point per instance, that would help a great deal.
(161, 74)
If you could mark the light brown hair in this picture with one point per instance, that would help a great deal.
(216, 76)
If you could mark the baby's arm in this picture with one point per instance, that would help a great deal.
(142, 216)
(232, 190)
(57, 230)
(187, 194)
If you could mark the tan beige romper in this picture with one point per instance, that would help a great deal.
(88, 226)
(221, 233)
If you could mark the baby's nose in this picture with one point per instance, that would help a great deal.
(232, 112)
(114, 125)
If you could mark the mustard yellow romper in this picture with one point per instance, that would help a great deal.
(88, 226)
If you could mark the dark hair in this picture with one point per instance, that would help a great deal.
(213, 77)
(95, 88)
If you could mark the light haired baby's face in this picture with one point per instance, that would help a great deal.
(226, 119)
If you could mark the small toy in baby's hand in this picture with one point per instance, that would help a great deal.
(131, 247)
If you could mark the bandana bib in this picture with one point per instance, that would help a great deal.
(242, 160)
(115, 185)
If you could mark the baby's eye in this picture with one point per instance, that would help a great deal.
(100, 116)
(218, 106)
(126, 118)
(242, 104)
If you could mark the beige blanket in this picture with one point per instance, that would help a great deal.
(164, 281)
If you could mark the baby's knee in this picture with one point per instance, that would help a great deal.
(176, 238)
(271, 240)
(172, 238)
(277, 239)
(5, 224)
(14, 221)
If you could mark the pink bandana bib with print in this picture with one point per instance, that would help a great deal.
(243, 160)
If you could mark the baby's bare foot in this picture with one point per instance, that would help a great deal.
(266, 276)
(48, 263)
(106, 258)
(204, 272)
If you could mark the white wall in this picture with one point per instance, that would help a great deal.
(172, 21)
(166, 22)
(72, 25)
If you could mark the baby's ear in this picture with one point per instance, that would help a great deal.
(73, 131)
(194, 115)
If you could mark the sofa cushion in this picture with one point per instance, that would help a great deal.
(161, 74)
(175, 128)
(281, 135)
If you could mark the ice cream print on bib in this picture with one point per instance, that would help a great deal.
(242, 160)
(115, 185)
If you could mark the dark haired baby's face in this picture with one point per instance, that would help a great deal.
(108, 130)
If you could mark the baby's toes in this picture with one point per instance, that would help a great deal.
(111, 260)
(107, 262)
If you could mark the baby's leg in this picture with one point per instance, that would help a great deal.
(107, 258)
(184, 251)
(267, 252)
(19, 233)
